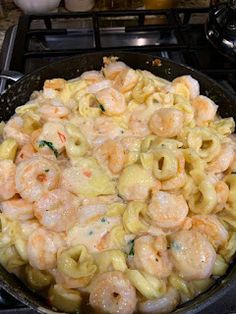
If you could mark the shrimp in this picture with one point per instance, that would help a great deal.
(106, 127)
(35, 176)
(58, 84)
(167, 210)
(13, 129)
(96, 87)
(48, 112)
(27, 151)
(42, 248)
(165, 304)
(28, 227)
(151, 255)
(166, 122)
(112, 69)
(192, 254)
(138, 122)
(126, 80)
(7, 179)
(112, 101)
(57, 210)
(223, 160)
(211, 227)
(53, 132)
(113, 153)
(92, 76)
(112, 293)
(191, 84)
(222, 194)
(17, 209)
(204, 110)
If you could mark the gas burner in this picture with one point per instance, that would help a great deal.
(221, 29)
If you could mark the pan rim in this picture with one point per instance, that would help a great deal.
(224, 284)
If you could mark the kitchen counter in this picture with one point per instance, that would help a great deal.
(9, 13)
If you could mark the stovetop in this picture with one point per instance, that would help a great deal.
(177, 34)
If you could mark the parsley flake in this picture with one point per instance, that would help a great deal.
(90, 232)
(50, 145)
(120, 196)
(46, 170)
(102, 108)
(131, 252)
(103, 219)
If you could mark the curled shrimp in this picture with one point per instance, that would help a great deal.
(192, 254)
(166, 122)
(112, 69)
(211, 227)
(112, 101)
(27, 151)
(165, 304)
(113, 153)
(42, 248)
(112, 293)
(14, 129)
(18, 209)
(126, 80)
(96, 87)
(204, 110)
(35, 176)
(57, 210)
(167, 210)
(7, 179)
(53, 132)
(222, 194)
(191, 84)
(223, 160)
(105, 127)
(138, 122)
(48, 112)
(150, 255)
(92, 76)
(57, 84)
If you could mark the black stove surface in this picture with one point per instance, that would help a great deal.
(178, 34)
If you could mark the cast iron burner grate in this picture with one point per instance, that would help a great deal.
(178, 34)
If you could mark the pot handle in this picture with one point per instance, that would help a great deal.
(11, 75)
(8, 75)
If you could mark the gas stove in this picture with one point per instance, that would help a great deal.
(177, 34)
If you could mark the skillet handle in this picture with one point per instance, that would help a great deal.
(11, 75)
(8, 75)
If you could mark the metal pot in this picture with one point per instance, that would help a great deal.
(20, 92)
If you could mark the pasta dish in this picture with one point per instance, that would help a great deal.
(117, 192)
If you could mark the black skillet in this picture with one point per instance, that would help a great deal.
(70, 68)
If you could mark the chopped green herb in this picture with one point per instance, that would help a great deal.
(46, 170)
(122, 131)
(120, 196)
(103, 219)
(131, 252)
(90, 232)
(50, 145)
(102, 108)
